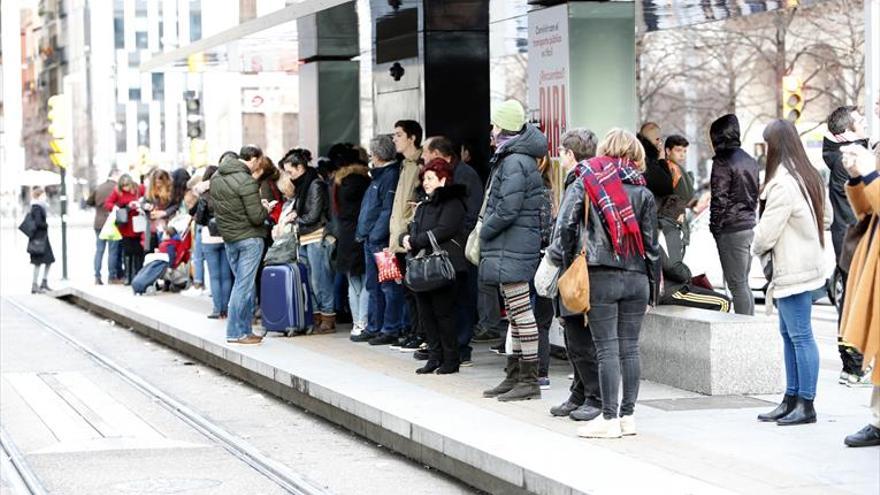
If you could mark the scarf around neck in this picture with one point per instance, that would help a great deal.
(603, 178)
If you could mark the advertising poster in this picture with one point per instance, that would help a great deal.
(548, 75)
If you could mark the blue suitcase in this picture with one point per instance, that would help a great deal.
(286, 299)
(148, 275)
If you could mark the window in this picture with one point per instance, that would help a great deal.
(254, 129)
(134, 59)
(119, 32)
(119, 126)
(158, 86)
(140, 40)
(140, 8)
(134, 94)
(195, 20)
(290, 130)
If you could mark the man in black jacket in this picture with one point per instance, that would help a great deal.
(732, 219)
(464, 174)
(845, 126)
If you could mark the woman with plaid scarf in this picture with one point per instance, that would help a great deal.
(620, 243)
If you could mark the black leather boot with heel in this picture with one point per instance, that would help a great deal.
(803, 413)
(781, 410)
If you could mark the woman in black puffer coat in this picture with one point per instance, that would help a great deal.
(442, 214)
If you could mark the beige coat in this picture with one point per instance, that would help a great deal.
(860, 324)
(788, 229)
(403, 210)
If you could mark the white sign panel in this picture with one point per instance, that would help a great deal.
(548, 71)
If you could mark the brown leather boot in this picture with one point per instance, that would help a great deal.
(328, 325)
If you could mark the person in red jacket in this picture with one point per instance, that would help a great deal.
(126, 195)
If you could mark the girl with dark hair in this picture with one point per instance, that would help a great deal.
(441, 215)
(311, 211)
(789, 239)
(213, 249)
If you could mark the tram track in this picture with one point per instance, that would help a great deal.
(281, 475)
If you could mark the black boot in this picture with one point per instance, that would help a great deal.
(803, 413)
(512, 370)
(428, 368)
(45, 286)
(526, 385)
(868, 436)
(781, 410)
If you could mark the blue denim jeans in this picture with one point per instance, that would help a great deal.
(114, 257)
(220, 275)
(198, 258)
(799, 347)
(387, 301)
(358, 300)
(321, 277)
(244, 258)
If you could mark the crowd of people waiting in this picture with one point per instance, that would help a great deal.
(621, 226)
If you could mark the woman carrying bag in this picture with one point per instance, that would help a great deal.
(126, 197)
(439, 222)
(39, 248)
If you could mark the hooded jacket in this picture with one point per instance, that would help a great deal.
(443, 214)
(351, 183)
(734, 181)
(510, 238)
(843, 213)
(236, 200)
(375, 215)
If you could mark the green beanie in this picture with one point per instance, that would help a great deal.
(509, 116)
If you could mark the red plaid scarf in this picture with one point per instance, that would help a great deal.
(603, 178)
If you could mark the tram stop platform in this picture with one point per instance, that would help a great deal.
(687, 443)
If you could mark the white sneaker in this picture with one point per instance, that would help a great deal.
(628, 425)
(601, 428)
(356, 330)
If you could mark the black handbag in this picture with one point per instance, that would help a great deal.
(202, 215)
(28, 227)
(37, 246)
(213, 229)
(121, 216)
(427, 272)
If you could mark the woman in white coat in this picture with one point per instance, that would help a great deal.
(790, 236)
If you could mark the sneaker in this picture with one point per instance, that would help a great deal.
(544, 382)
(383, 339)
(420, 355)
(482, 336)
(843, 379)
(868, 436)
(247, 340)
(628, 425)
(571, 376)
(214, 316)
(856, 381)
(356, 330)
(466, 364)
(412, 344)
(601, 428)
(364, 336)
(500, 349)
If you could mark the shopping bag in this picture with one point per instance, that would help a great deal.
(386, 263)
(109, 232)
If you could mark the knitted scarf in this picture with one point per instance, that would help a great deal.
(603, 178)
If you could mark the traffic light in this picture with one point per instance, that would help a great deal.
(792, 98)
(193, 115)
(59, 130)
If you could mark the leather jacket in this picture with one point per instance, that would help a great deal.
(734, 181)
(567, 240)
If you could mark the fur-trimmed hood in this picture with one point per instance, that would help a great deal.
(356, 169)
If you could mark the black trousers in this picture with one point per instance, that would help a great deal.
(437, 320)
(133, 256)
(582, 354)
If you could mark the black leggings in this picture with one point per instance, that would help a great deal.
(133, 256)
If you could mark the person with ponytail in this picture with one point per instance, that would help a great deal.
(789, 241)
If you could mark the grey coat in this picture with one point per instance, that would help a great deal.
(510, 239)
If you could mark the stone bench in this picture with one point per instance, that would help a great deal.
(712, 353)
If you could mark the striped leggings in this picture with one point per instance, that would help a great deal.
(524, 330)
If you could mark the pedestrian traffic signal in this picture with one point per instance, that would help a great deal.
(792, 98)
(193, 115)
(59, 130)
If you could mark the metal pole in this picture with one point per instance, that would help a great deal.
(63, 223)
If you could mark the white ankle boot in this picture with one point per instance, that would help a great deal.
(601, 428)
(628, 425)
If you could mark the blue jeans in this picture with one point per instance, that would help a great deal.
(358, 300)
(321, 277)
(244, 258)
(114, 257)
(387, 301)
(220, 274)
(198, 258)
(799, 346)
